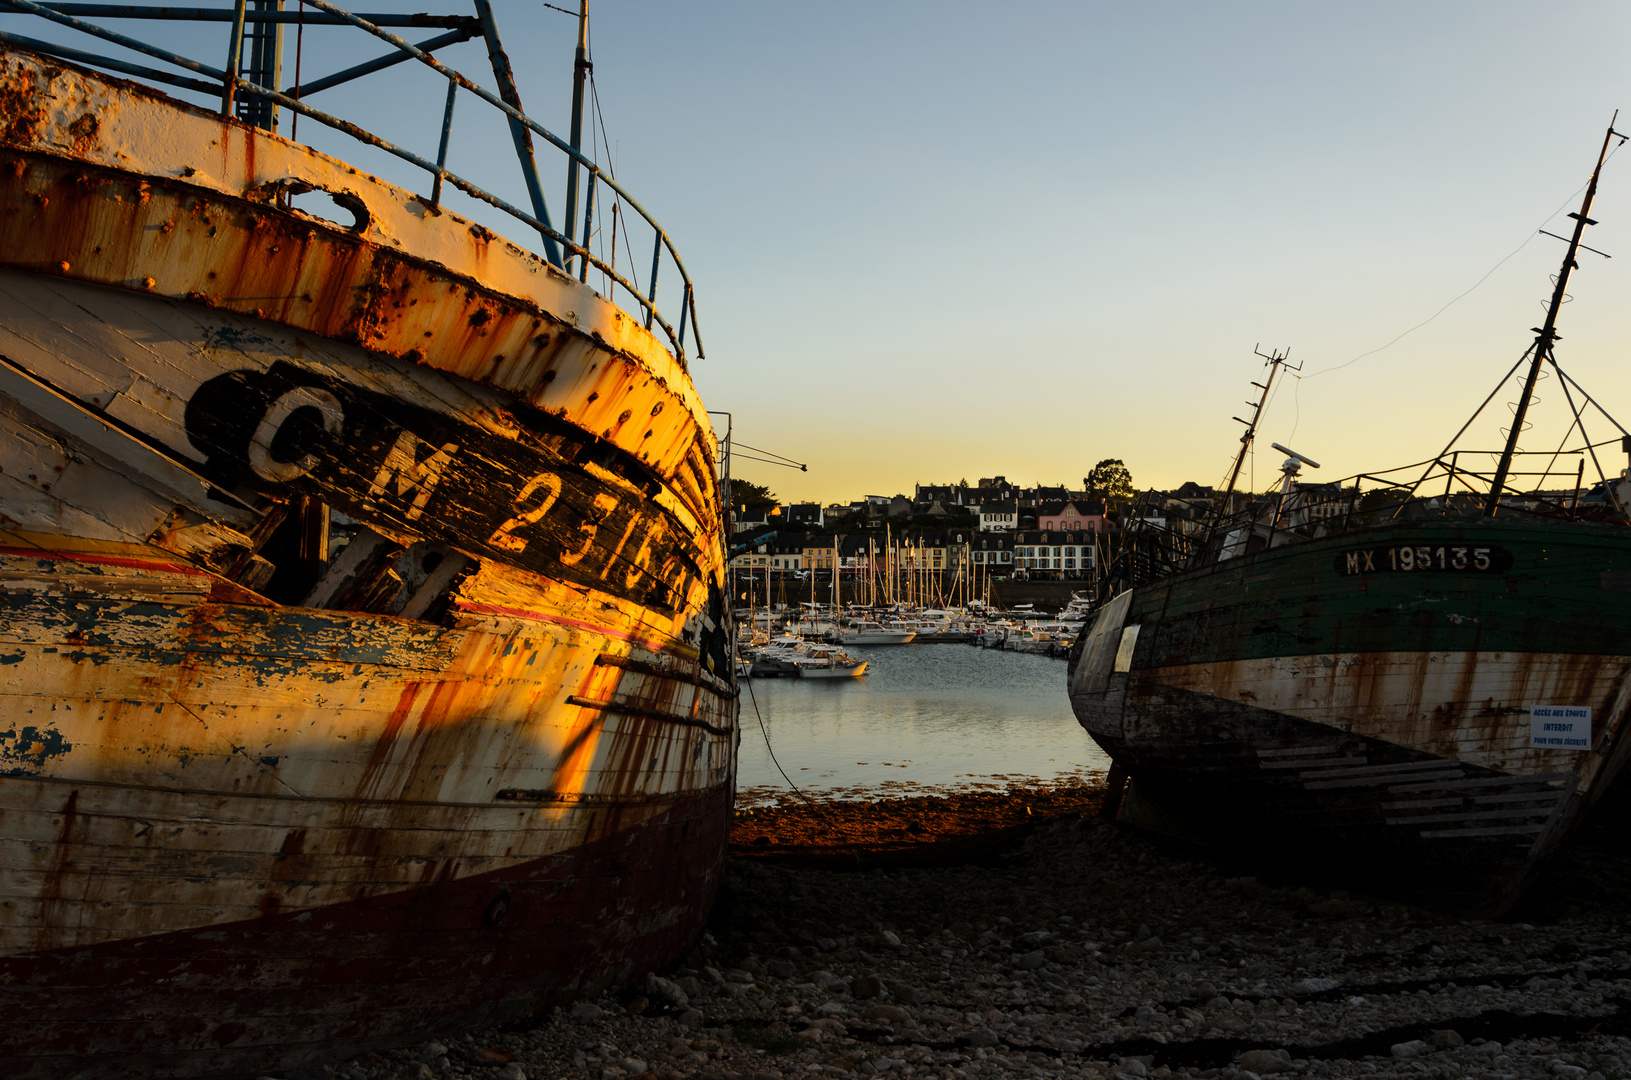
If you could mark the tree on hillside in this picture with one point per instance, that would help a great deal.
(752, 496)
(1110, 479)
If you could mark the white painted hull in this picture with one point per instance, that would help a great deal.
(870, 638)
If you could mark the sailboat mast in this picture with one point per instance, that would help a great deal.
(837, 594)
(1547, 332)
(888, 564)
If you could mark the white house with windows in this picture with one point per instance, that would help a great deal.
(1051, 554)
(999, 515)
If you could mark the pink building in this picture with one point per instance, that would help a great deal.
(1072, 516)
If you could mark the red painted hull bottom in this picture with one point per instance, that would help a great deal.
(326, 984)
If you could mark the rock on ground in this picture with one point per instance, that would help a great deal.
(1090, 951)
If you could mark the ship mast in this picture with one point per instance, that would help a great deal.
(1546, 333)
(580, 71)
(1274, 361)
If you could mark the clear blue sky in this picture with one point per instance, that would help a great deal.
(942, 240)
(935, 241)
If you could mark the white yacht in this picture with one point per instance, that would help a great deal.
(869, 632)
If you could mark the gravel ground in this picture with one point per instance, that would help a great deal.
(1090, 950)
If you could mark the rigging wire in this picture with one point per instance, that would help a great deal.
(611, 169)
(602, 141)
(749, 457)
(1580, 422)
(617, 203)
(766, 732)
(1296, 391)
(781, 459)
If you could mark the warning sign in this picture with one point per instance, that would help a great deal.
(1560, 727)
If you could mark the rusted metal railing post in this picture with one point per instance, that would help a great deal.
(520, 134)
(651, 289)
(447, 134)
(229, 80)
(685, 308)
(588, 223)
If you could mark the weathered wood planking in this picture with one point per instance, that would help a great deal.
(307, 708)
(420, 458)
(370, 971)
(1425, 700)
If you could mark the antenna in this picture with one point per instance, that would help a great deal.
(1289, 452)
(1274, 361)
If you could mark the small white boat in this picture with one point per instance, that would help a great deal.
(991, 635)
(1028, 640)
(778, 657)
(828, 662)
(1079, 608)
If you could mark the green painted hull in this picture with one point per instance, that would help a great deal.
(1369, 699)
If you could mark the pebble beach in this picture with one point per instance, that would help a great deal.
(1018, 934)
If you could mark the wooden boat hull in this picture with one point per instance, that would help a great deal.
(264, 801)
(1350, 717)
(324, 984)
(832, 671)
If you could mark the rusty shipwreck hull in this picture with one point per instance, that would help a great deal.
(364, 666)
(1321, 707)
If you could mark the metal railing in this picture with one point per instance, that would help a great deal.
(1164, 535)
(230, 82)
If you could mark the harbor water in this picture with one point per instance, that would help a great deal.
(924, 718)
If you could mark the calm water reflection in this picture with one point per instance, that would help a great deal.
(925, 716)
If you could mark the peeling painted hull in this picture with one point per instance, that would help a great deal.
(333, 982)
(1324, 707)
(365, 673)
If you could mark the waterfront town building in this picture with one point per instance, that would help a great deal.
(807, 514)
(1072, 516)
(821, 553)
(993, 553)
(748, 518)
(999, 515)
(1049, 554)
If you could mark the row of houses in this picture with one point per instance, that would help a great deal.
(1001, 515)
(998, 505)
(1035, 552)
